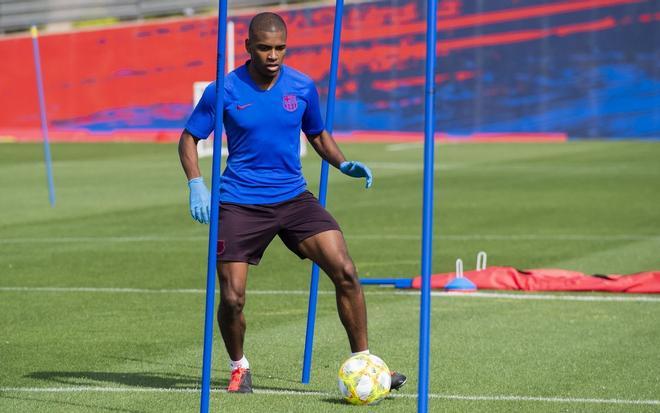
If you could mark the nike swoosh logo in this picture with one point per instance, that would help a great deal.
(241, 107)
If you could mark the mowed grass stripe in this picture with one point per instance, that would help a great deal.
(313, 393)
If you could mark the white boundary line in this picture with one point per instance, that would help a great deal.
(406, 237)
(150, 290)
(383, 291)
(81, 389)
(147, 290)
(403, 146)
(549, 297)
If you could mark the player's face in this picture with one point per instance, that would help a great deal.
(267, 50)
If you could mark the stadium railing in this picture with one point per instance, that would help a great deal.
(16, 15)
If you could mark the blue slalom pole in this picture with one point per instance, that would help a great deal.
(42, 112)
(427, 211)
(209, 315)
(323, 190)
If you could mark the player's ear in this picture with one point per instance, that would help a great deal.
(247, 46)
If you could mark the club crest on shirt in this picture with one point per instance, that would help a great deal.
(290, 103)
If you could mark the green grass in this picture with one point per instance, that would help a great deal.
(121, 221)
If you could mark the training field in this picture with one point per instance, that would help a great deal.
(101, 297)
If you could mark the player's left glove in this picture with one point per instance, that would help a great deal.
(356, 170)
(200, 200)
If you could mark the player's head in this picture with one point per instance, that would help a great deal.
(266, 43)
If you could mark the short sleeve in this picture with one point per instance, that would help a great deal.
(312, 122)
(202, 120)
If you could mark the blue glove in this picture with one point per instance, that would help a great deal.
(356, 170)
(200, 200)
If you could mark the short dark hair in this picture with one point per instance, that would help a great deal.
(266, 22)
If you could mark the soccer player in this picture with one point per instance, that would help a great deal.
(263, 192)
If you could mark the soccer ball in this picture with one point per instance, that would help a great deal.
(364, 379)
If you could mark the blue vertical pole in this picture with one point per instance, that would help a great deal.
(215, 206)
(42, 112)
(427, 211)
(323, 190)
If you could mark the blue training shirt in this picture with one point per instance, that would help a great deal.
(263, 134)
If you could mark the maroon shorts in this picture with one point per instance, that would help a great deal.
(246, 230)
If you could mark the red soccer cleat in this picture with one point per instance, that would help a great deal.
(240, 382)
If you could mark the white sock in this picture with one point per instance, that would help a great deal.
(243, 363)
(360, 352)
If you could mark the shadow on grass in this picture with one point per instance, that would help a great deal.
(336, 400)
(90, 407)
(144, 380)
(199, 367)
(137, 379)
(339, 401)
(157, 363)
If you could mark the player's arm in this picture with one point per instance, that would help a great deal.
(200, 124)
(325, 145)
(200, 198)
(188, 155)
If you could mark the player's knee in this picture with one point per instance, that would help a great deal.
(346, 276)
(231, 304)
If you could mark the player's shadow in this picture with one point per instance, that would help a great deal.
(140, 379)
(134, 379)
(196, 367)
(154, 362)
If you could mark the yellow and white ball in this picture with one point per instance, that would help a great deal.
(364, 379)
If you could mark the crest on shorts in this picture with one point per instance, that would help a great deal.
(221, 246)
(290, 103)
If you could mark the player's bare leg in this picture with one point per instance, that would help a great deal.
(233, 281)
(328, 249)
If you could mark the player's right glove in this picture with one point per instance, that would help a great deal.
(200, 200)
